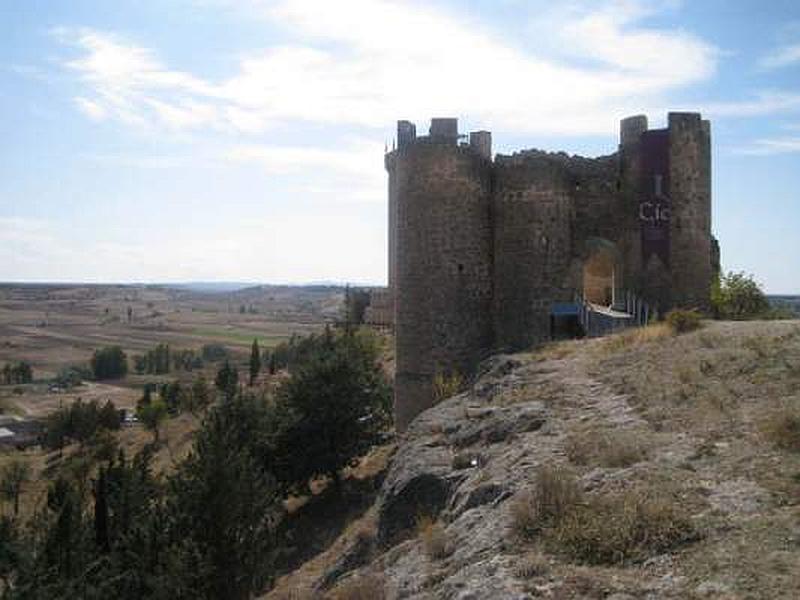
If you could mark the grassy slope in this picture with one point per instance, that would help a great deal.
(688, 420)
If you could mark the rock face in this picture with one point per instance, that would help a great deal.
(462, 462)
(434, 474)
(459, 465)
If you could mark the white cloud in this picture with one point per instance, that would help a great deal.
(782, 57)
(369, 62)
(609, 35)
(352, 173)
(764, 103)
(771, 146)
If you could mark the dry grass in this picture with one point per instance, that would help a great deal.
(782, 428)
(435, 542)
(556, 492)
(365, 587)
(718, 380)
(635, 337)
(530, 565)
(710, 340)
(609, 529)
(619, 528)
(614, 450)
(446, 385)
(557, 350)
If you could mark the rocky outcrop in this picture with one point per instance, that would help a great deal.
(463, 462)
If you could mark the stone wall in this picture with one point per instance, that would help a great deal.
(533, 217)
(443, 271)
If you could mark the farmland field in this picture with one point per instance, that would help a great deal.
(54, 326)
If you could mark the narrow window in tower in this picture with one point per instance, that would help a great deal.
(460, 268)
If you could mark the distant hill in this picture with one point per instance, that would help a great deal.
(790, 302)
(212, 286)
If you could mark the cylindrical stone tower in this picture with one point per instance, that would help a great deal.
(443, 278)
(690, 219)
(628, 185)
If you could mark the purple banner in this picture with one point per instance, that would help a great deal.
(654, 203)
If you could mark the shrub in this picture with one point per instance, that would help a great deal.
(619, 528)
(682, 321)
(738, 296)
(69, 377)
(556, 492)
(783, 428)
(608, 449)
(446, 385)
(434, 538)
(214, 352)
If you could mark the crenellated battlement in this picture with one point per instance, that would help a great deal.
(444, 131)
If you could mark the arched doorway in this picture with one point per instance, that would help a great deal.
(602, 272)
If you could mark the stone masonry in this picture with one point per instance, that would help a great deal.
(481, 250)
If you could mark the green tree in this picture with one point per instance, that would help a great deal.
(334, 406)
(255, 361)
(225, 504)
(109, 363)
(109, 417)
(356, 301)
(200, 396)
(12, 477)
(69, 377)
(11, 550)
(172, 394)
(23, 373)
(152, 415)
(227, 380)
(738, 296)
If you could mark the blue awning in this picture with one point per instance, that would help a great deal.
(565, 309)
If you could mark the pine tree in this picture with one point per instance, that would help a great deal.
(226, 505)
(227, 380)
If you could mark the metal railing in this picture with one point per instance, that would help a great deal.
(637, 310)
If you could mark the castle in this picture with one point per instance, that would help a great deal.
(492, 254)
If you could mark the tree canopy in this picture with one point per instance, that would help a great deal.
(109, 363)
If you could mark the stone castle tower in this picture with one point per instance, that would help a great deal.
(490, 254)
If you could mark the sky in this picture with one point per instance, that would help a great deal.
(243, 140)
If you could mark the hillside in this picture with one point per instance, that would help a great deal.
(644, 465)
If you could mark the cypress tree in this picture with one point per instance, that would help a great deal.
(255, 361)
